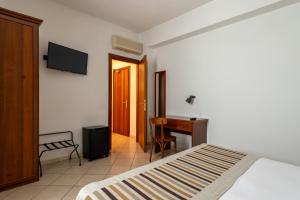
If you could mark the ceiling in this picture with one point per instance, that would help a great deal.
(136, 15)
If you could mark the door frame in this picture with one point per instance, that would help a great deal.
(164, 72)
(110, 58)
(128, 103)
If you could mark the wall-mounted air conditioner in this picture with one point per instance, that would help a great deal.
(127, 45)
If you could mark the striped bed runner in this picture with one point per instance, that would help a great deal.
(182, 178)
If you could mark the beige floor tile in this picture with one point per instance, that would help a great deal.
(47, 179)
(67, 179)
(87, 163)
(139, 150)
(57, 169)
(53, 193)
(137, 165)
(99, 170)
(72, 194)
(123, 162)
(126, 155)
(118, 169)
(140, 162)
(115, 150)
(77, 170)
(141, 159)
(25, 192)
(128, 150)
(49, 166)
(86, 179)
(112, 156)
(72, 162)
(103, 161)
(101, 165)
(109, 175)
(5, 193)
(141, 155)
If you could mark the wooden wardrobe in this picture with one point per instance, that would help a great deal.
(19, 98)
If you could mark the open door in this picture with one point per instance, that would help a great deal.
(141, 129)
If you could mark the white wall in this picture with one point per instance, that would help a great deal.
(246, 77)
(70, 101)
(133, 99)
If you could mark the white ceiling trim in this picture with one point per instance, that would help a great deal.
(213, 15)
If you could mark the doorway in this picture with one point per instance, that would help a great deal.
(128, 98)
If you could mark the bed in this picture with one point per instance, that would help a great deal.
(202, 172)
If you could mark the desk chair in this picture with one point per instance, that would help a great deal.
(161, 139)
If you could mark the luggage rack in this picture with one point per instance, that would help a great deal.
(61, 144)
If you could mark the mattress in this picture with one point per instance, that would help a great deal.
(202, 172)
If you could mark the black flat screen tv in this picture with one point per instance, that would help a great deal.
(66, 59)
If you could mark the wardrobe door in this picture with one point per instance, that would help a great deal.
(18, 134)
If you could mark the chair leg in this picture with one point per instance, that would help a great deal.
(40, 166)
(78, 155)
(151, 150)
(175, 143)
(162, 149)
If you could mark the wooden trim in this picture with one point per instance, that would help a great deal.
(147, 103)
(165, 91)
(155, 93)
(122, 58)
(20, 16)
(109, 97)
(36, 98)
(136, 103)
(129, 98)
(110, 58)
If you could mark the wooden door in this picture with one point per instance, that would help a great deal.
(18, 101)
(142, 103)
(121, 101)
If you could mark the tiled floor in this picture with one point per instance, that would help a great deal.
(63, 180)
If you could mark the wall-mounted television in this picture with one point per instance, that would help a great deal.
(66, 59)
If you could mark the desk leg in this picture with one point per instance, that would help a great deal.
(199, 134)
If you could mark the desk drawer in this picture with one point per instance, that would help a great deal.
(180, 125)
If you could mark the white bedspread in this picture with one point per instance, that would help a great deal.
(266, 180)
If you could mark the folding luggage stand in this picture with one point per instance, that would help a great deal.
(62, 144)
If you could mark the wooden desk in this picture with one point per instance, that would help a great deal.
(195, 128)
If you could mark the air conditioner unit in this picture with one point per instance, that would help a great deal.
(127, 45)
